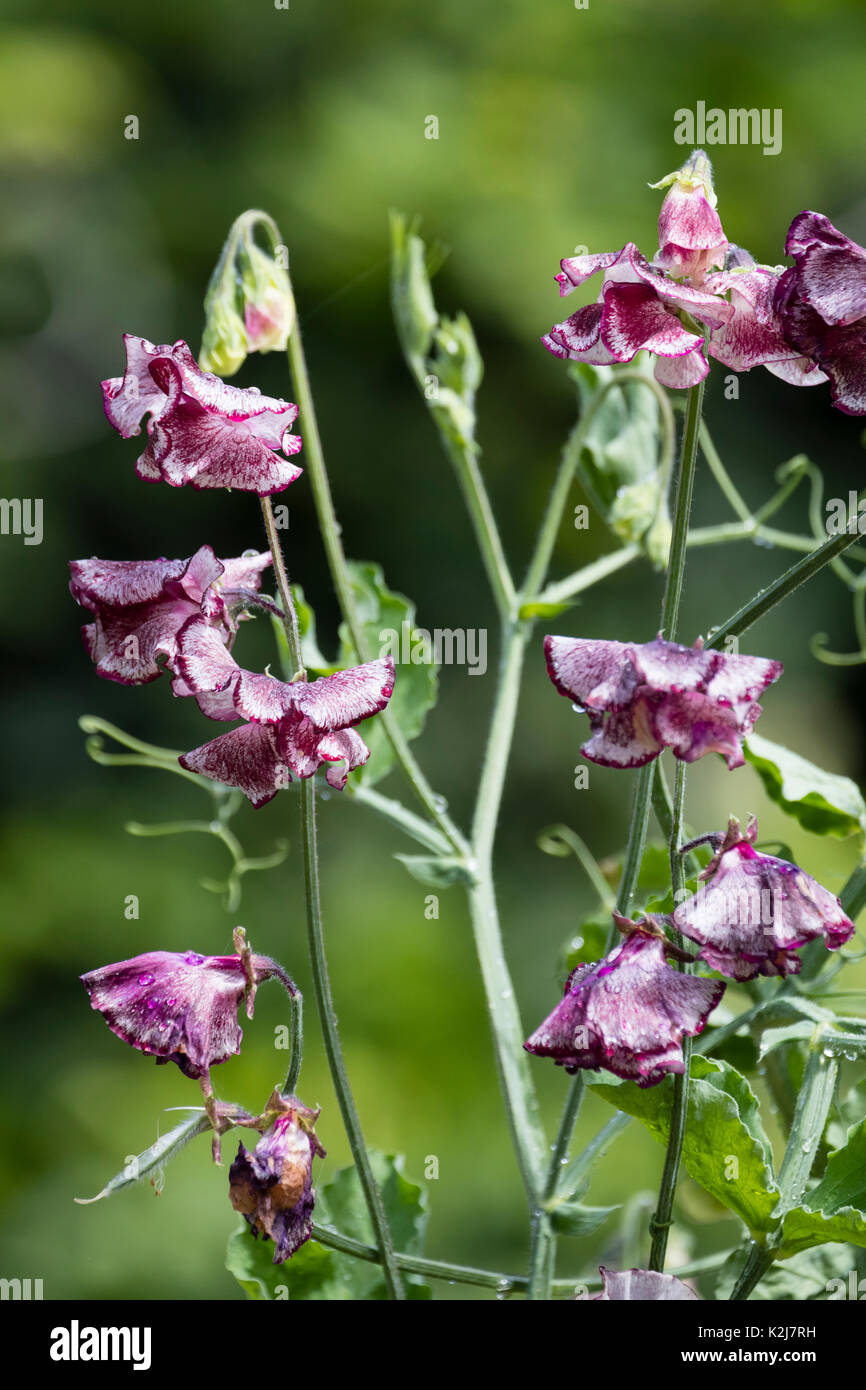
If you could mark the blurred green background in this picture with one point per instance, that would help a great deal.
(552, 121)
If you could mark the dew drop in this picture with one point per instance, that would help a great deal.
(145, 979)
(192, 958)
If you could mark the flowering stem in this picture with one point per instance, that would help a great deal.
(318, 958)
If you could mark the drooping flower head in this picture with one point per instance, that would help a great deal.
(295, 726)
(691, 240)
(638, 310)
(754, 911)
(139, 606)
(643, 697)
(628, 1013)
(641, 1285)
(272, 1186)
(821, 303)
(179, 1006)
(200, 430)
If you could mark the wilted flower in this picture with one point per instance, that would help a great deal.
(139, 607)
(691, 240)
(201, 431)
(754, 911)
(272, 1186)
(641, 1285)
(821, 302)
(295, 727)
(179, 1006)
(754, 336)
(637, 310)
(643, 697)
(627, 1013)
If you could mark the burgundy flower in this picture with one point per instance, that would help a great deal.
(642, 1285)
(295, 726)
(179, 1006)
(200, 430)
(754, 911)
(691, 240)
(821, 302)
(637, 310)
(642, 698)
(627, 1013)
(272, 1186)
(139, 607)
(754, 336)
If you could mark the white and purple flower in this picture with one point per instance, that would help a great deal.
(754, 911)
(139, 607)
(628, 1013)
(294, 726)
(200, 431)
(691, 239)
(643, 697)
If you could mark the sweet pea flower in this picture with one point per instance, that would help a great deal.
(200, 431)
(691, 240)
(638, 310)
(643, 697)
(181, 1007)
(821, 303)
(628, 1013)
(641, 1286)
(139, 607)
(754, 911)
(272, 1186)
(755, 336)
(295, 726)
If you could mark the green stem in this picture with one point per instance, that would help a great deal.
(682, 512)
(768, 598)
(570, 456)
(587, 576)
(318, 958)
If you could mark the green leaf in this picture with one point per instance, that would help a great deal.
(149, 1164)
(618, 459)
(545, 610)
(811, 1276)
(573, 1219)
(723, 1125)
(317, 1272)
(437, 871)
(772, 1038)
(823, 802)
(411, 296)
(388, 624)
(833, 1210)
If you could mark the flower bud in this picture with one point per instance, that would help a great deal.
(691, 240)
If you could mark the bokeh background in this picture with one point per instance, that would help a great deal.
(552, 121)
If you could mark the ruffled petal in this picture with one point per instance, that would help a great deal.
(577, 269)
(128, 398)
(245, 757)
(634, 319)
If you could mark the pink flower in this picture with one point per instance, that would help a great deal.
(139, 607)
(272, 1186)
(628, 1013)
(643, 697)
(691, 240)
(181, 1007)
(200, 430)
(754, 911)
(754, 336)
(637, 310)
(295, 727)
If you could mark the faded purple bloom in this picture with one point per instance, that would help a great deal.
(200, 430)
(139, 607)
(642, 698)
(753, 911)
(754, 336)
(627, 1013)
(691, 240)
(642, 1285)
(179, 1006)
(821, 302)
(272, 1186)
(637, 310)
(295, 726)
